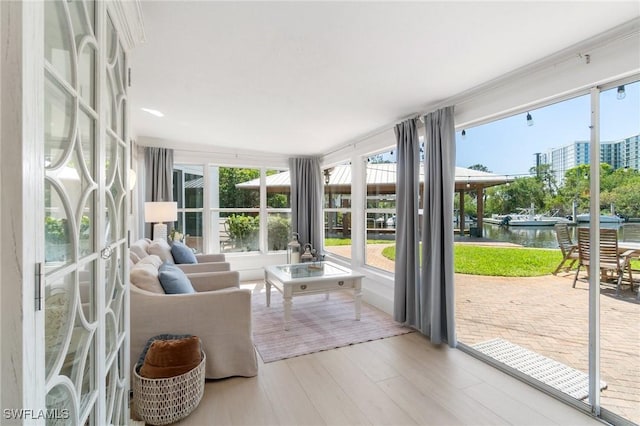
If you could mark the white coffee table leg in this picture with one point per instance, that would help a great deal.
(268, 285)
(287, 296)
(357, 298)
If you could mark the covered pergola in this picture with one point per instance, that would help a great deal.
(381, 179)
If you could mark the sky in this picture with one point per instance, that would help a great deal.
(508, 146)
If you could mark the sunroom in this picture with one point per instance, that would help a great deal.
(418, 119)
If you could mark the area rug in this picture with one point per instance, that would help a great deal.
(316, 325)
(546, 370)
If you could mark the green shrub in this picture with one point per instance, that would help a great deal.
(279, 230)
(243, 231)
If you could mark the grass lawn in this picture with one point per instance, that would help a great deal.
(500, 261)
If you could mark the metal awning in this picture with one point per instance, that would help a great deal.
(382, 177)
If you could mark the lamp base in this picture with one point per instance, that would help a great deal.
(160, 231)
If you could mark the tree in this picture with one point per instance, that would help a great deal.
(230, 195)
(577, 188)
(545, 174)
(480, 167)
(519, 194)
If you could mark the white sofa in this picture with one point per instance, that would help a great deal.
(219, 313)
(206, 262)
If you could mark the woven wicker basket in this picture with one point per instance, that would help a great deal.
(165, 401)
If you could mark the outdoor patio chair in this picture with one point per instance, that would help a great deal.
(567, 247)
(611, 260)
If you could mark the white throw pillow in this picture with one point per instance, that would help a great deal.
(145, 277)
(162, 249)
(152, 259)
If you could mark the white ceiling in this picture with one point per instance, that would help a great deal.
(305, 78)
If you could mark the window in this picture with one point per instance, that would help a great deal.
(337, 210)
(380, 210)
(278, 209)
(235, 213)
(188, 191)
(221, 211)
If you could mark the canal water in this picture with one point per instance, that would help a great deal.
(538, 236)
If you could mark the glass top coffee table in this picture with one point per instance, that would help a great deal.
(311, 278)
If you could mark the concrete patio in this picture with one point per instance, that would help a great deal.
(546, 315)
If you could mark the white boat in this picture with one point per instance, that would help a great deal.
(526, 217)
(604, 218)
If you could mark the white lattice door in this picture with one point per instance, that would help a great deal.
(85, 212)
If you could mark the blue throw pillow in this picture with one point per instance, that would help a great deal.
(173, 280)
(182, 254)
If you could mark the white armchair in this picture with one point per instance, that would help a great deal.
(219, 313)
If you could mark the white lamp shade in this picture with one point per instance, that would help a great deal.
(160, 211)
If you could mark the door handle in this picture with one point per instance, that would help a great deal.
(106, 252)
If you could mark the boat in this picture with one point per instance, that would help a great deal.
(526, 217)
(604, 218)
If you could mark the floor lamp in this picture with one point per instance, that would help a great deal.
(158, 212)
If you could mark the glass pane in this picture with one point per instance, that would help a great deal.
(110, 334)
(111, 221)
(620, 196)
(193, 231)
(337, 205)
(110, 271)
(86, 281)
(111, 108)
(74, 367)
(58, 246)
(58, 39)
(79, 20)
(337, 186)
(87, 141)
(242, 231)
(86, 227)
(278, 189)
(112, 42)
(380, 210)
(238, 188)
(58, 119)
(193, 187)
(87, 385)
(86, 75)
(511, 273)
(279, 231)
(73, 182)
(58, 317)
(60, 400)
(337, 233)
(111, 163)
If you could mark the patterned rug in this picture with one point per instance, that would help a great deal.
(316, 325)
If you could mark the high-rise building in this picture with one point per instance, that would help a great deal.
(620, 154)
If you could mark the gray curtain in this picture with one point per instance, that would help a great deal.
(407, 278)
(306, 200)
(158, 164)
(437, 298)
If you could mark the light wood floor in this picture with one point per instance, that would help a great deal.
(402, 380)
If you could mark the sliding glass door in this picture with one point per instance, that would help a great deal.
(620, 197)
(572, 333)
